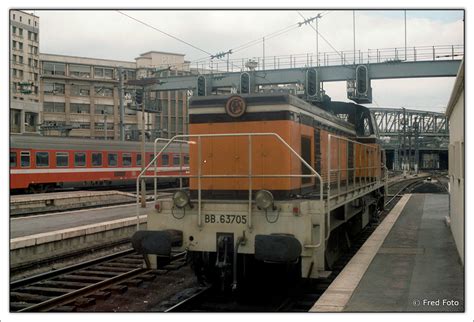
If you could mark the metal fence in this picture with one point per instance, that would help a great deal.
(371, 56)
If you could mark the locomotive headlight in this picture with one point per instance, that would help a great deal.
(180, 199)
(264, 199)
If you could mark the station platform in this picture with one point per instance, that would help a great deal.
(40, 237)
(60, 201)
(409, 264)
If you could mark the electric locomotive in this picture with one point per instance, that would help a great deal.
(274, 181)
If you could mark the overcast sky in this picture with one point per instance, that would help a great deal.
(110, 35)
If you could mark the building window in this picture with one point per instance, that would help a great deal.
(62, 159)
(126, 159)
(112, 159)
(165, 159)
(20, 45)
(20, 59)
(20, 32)
(80, 71)
(104, 109)
(25, 159)
(100, 126)
(80, 90)
(12, 159)
(21, 18)
(80, 108)
(14, 29)
(50, 68)
(13, 16)
(96, 159)
(100, 72)
(30, 62)
(130, 74)
(80, 159)
(42, 159)
(54, 107)
(104, 91)
(14, 44)
(53, 88)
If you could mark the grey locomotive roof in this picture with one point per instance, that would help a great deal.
(63, 143)
(269, 99)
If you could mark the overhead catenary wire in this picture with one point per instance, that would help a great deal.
(324, 38)
(168, 34)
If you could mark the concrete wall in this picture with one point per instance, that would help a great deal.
(455, 112)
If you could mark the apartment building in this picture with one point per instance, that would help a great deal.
(25, 102)
(81, 97)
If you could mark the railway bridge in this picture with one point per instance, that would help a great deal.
(413, 137)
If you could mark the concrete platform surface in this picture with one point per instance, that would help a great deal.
(412, 266)
(32, 225)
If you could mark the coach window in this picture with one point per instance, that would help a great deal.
(96, 159)
(12, 159)
(62, 159)
(165, 159)
(150, 157)
(42, 159)
(25, 159)
(186, 160)
(126, 159)
(175, 159)
(112, 158)
(80, 159)
(139, 159)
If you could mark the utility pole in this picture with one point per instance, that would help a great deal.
(143, 190)
(317, 39)
(105, 126)
(121, 106)
(354, 33)
(405, 34)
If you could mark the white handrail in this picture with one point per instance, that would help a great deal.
(142, 174)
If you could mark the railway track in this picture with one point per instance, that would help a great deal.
(80, 285)
(299, 298)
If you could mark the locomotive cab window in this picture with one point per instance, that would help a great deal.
(62, 159)
(42, 159)
(80, 159)
(96, 159)
(306, 155)
(12, 159)
(126, 159)
(112, 159)
(25, 159)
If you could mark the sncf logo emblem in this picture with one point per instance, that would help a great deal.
(235, 106)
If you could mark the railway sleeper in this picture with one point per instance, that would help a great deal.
(120, 288)
(100, 295)
(53, 291)
(53, 283)
(84, 302)
(27, 297)
(90, 279)
(16, 306)
(97, 273)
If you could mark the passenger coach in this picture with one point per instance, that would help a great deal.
(41, 163)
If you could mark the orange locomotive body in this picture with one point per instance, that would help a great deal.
(304, 127)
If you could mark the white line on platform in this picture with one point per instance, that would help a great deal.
(75, 211)
(338, 294)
